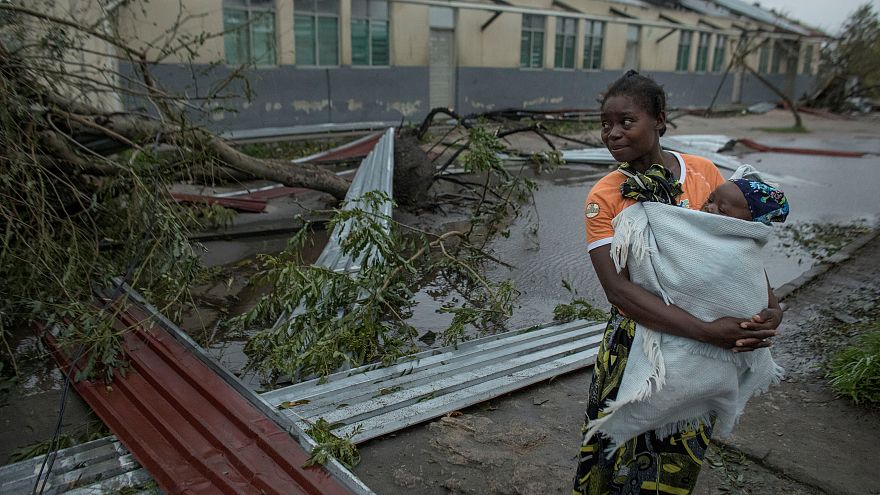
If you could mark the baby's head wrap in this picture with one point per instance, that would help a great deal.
(766, 203)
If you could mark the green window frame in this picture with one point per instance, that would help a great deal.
(249, 32)
(683, 58)
(702, 52)
(316, 32)
(719, 52)
(776, 58)
(369, 33)
(632, 53)
(532, 42)
(593, 44)
(808, 60)
(566, 39)
(764, 57)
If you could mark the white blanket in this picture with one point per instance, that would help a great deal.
(710, 266)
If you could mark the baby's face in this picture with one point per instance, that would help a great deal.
(729, 201)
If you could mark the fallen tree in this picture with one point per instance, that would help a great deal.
(85, 188)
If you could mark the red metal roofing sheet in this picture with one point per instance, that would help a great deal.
(349, 151)
(239, 204)
(193, 432)
(278, 192)
(799, 151)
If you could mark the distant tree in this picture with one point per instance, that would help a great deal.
(851, 63)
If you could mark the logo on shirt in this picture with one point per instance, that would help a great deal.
(685, 203)
(592, 210)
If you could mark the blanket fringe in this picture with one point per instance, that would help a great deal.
(653, 384)
(630, 238)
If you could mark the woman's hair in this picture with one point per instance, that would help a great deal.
(642, 89)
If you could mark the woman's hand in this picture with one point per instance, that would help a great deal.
(767, 319)
(738, 335)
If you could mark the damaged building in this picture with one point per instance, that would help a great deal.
(344, 61)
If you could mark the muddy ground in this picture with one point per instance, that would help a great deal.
(796, 439)
(525, 442)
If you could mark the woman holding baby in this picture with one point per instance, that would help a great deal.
(661, 461)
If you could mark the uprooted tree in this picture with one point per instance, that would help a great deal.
(85, 188)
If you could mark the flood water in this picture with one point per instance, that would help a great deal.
(546, 244)
(823, 190)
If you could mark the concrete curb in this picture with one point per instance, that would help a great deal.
(787, 289)
(788, 470)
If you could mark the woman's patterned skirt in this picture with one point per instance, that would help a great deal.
(645, 464)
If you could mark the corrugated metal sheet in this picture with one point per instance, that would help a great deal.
(759, 14)
(375, 173)
(721, 161)
(300, 130)
(186, 425)
(358, 148)
(106, 466)
(99, 466)
(262, 193)
(702, 145)
(709, 142)
(238, 204)
(800, 151)
(192, 432)
(380, 400)
(704, 7)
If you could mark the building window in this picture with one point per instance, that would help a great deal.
(683, 59)
(566, 37)
(718, 56)
(808, 60)
(316, 32)
(249, 32)
(593, 44)
(369, 32)
(702, 52)
(532, 42)
(763, 57)
(631, 55)
(776, 59)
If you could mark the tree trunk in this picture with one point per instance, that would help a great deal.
(791, 106)
(413, 171)
(140, 130)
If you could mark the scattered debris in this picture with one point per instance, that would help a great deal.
(762, 107)
(799, 151)
(238, 204)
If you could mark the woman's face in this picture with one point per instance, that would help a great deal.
(629, 131)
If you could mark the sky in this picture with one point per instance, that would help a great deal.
(825, 14)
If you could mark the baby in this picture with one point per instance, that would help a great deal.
(748, 200)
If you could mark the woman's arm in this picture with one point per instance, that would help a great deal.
(650, 311)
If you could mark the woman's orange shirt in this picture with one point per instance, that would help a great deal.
(699, 177)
